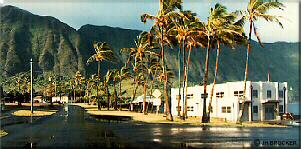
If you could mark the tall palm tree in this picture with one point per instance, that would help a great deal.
(103, 52)
(161, 31)
(225, 31)
(217, 16)
(186, 29)
(140, 54)
(257, 9)
(115, 77)
(107, 78)
(124, 73)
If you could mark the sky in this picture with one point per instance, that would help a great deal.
(126, 14)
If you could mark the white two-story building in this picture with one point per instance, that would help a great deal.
(264, 100)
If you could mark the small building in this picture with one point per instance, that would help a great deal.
(264, 100)
(62, 99)
(138, 102)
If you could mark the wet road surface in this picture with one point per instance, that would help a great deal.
(71, 127)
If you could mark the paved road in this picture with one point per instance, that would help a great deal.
(72, 127)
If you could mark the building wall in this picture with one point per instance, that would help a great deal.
(228, 105)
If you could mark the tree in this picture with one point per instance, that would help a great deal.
(124, 73)
(186, 30)
(102, 52)
(106, 81)
(115, 77)
(141, 56)
(160, 30)
(257, 9)
(225, 31)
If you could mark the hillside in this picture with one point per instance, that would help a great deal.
(60, 48)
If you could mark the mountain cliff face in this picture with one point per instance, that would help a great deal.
(55, 45)
(59, 48)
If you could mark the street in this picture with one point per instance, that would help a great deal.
(72, 127)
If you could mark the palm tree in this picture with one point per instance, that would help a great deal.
(217, 16)
(115, 77)
(140, 54)
(106, 81)
(160, 30)
(102, 52)
(187, 29)
(124, 73)
(227, 32)
(257, 9)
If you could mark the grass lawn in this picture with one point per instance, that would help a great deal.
(35, 112)
(3, 133)
(153, 118)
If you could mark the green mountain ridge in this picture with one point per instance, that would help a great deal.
(62, 49)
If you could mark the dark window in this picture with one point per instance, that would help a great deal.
(235, 93)
(228, 109)
(255, 109)
(280, 94)
(219, 94)
(238, 93)
(202, 95)
(255, 93)
(269, 93)
(281, 108)
(189, 96)
(190, 108)
(224, 109)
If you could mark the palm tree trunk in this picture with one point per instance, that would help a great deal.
(108, 95)
(135, 91)
(120, 96)
(205, 117)
(144, 97)
(179, 96)
(246, 73)
(214, 81)
(169, 115)
(115, 95)
(98, 79)
(186, 86)
(184, 79)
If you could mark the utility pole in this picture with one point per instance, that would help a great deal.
(31, 93)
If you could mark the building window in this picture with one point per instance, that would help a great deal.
(190, 108)
(202, 95)
(281, 108)
(280, 94)
(269, 93)
(178, 108)
(219, 94)
(226, 109)
(255, 93)
(189, 96)
(255, 109)
(238, 93)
